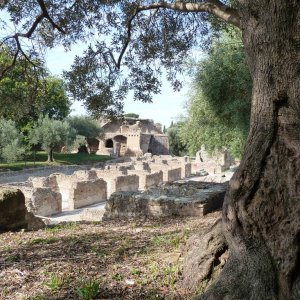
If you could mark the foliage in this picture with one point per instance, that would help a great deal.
(26, 91)
(177, 145)
(85, 126)
(51, 133)
(11, 147)
(159, 38)
(88, 291)
(131, 115)
(53, 99)
(219, 107)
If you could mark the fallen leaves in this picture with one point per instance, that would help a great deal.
(115, 260)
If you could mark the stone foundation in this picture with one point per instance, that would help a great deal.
(182, 199)
(50, 195)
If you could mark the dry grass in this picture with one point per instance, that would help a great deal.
(109, 260)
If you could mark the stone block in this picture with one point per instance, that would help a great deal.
(39, 182)
(186, 170)
(12, 209)
(83, 193)
(149, 180)
(123, 183)
(44, 201)
(184, 199)
(173, 175)
(86, 174)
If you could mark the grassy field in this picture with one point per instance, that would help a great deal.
(39, 159)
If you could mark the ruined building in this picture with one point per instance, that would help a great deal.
(131, 137)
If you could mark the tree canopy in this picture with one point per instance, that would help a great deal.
(11, 147)
(219, 105)
(27, 90)
(117, 33)
(85, 126)
(177, 145)
(51, 133)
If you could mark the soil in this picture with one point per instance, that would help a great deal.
(108, 260)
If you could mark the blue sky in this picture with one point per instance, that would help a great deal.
(165, 108)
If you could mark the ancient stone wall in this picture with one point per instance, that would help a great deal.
(23, 175)
(189, 199)
(40, 199)
(125, 183)
(83, 193)
(152, 179)
(215, 163)
(147, 179)
(49, 195)
(44, 202)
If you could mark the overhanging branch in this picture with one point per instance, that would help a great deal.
(215, 7)
(43, 15)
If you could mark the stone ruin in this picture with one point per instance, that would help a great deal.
(46, 196)
(130, 137)
(13, 212)
(191, 198)
(206, 163)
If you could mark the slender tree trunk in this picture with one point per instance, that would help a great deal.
(50, 155)
(261, 214)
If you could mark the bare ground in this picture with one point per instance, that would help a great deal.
(107, 260)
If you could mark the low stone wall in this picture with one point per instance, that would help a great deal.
(44, 202)
(23, 175)
(185, 199)
(86, 174)
(152, 179)
(147, 179)
(40, 200)
(123, 183)
(65, 187)
(172, 175)
(83, 193)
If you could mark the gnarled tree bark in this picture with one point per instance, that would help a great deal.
(261, 214)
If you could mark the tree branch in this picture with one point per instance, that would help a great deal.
(215, 7)
(43, 15)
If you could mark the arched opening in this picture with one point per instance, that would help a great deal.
(109, 143)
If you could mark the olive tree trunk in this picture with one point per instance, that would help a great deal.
(261, 213)
(50, 155)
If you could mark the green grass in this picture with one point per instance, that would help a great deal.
(88, 290)
(54, 283)
(40, 159)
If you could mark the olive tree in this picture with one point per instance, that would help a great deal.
(51, 133)
(11, 147)
(262, 207)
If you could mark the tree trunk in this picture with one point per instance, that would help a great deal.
(261, 213)
(50, 155)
